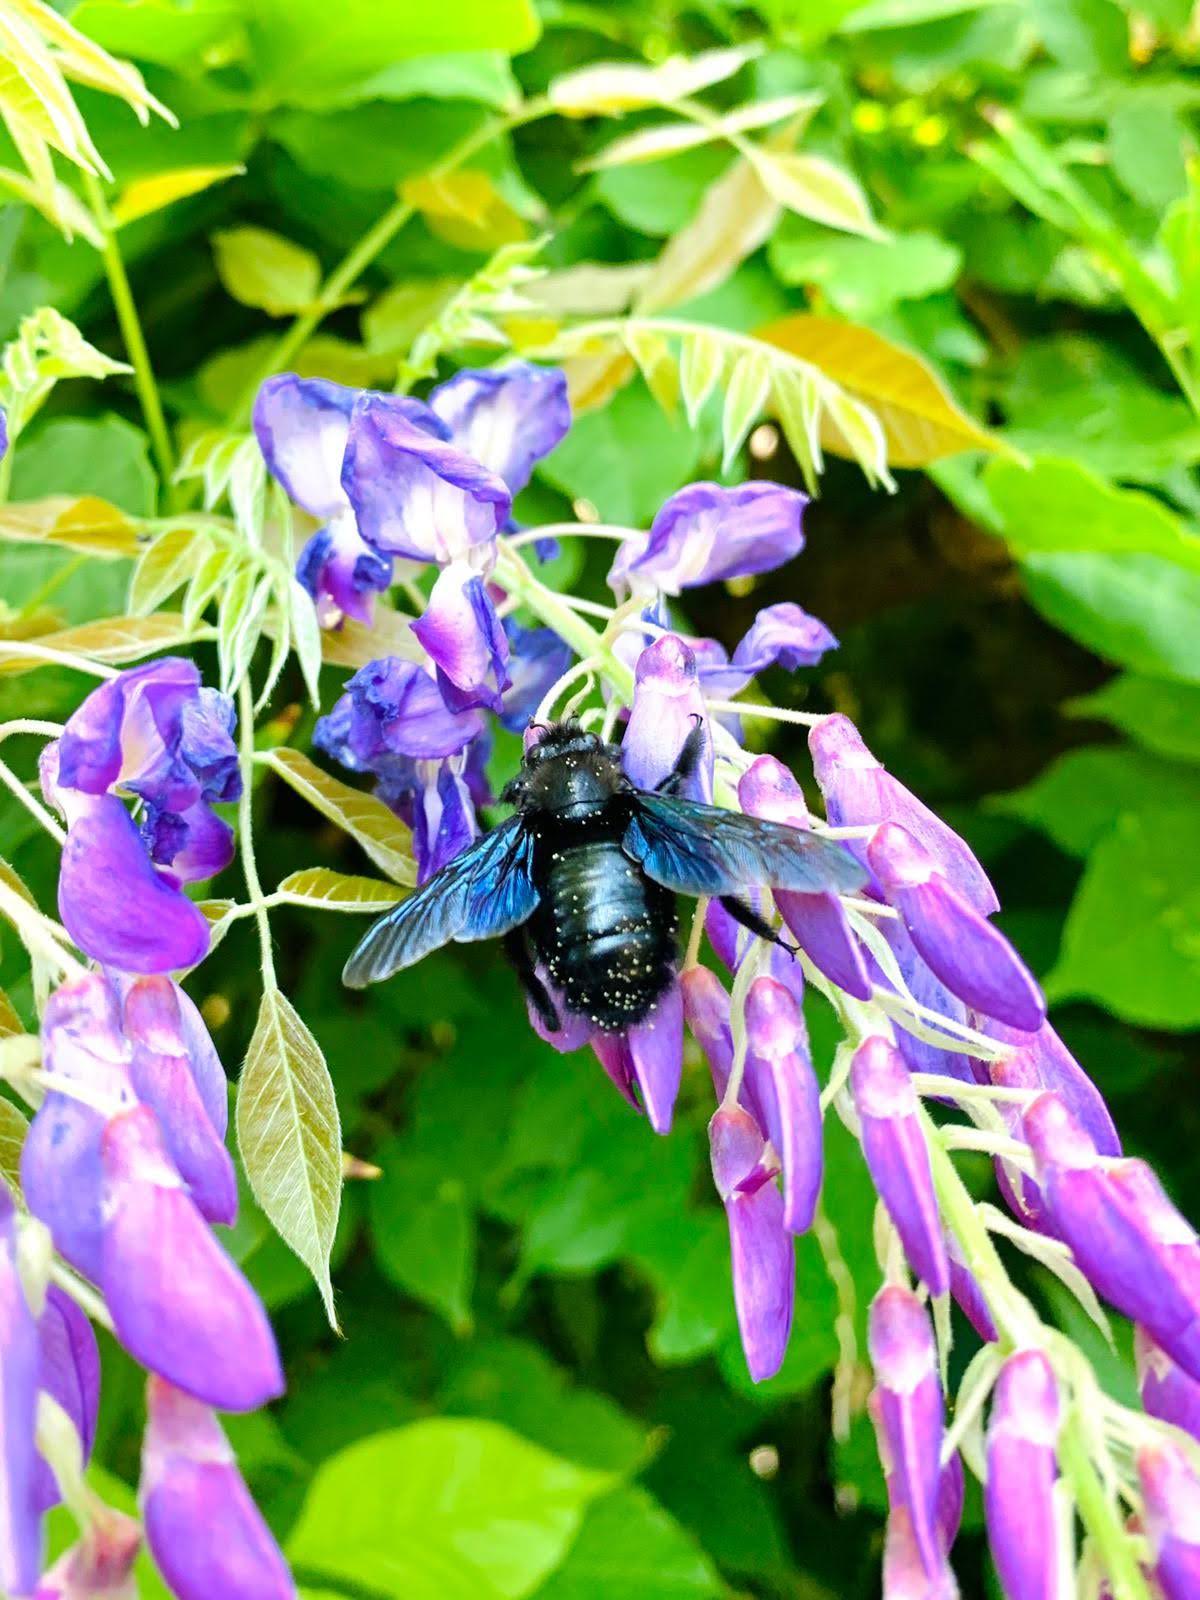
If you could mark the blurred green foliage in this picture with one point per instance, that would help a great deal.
(539, 1390)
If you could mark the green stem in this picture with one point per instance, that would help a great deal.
(246, 833)
(551, 609)
(131, 332)
(373, 242)
(1099, 1516)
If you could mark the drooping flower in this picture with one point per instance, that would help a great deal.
(781, 635)
(818, 921)
(898, 1158)
(204, 1530)
(648, 1057)
(154, 734)
(439, 807)
(343, 573)
(763, 1255)
(707, 532)
(1171, 1498)
(909, 1412)
(100, 1566)
(20, 1364)
(859, 791)
(70, 1374)
(1126, 1236)
(1168, 1392)
(393, 710)
(961, 948)
(785, 1086)
(464, 639)
(506, 417)
(667, 705)
(416, 495)
(904, 1573)
(1022, 1443)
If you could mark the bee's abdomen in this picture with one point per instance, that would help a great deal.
(605, 932)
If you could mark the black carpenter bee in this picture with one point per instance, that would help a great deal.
(581, 882)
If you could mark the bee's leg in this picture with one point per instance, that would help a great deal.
(687, 763)
(516, 948)
(741, 911)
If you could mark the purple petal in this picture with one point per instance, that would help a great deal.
(393, 708)
(706, 1007)
(767, 789)
(537, 658)
(764, 1267)
(706, 532)
(203, 845)
(904, 1573)
(965, 1289)
(100, 1566)
(952, 1491)
(206, 744)
(778, 1063)
(20, 1362)
(124, 727)
(301, 426)
(655, 1047)
(783, 635)
(343, 573)
(1022, 1441)
(178, 1303)
(971, 957)
(666, 703)
(3, 433)
(113, 903)
(70, 1374)
(898, 1159)
(909, 1413)
(207, 1536)
(442, 816)
(1126, 1236)
(1171, 1500)
(1168, 1392)
(164, 1079)
(463, 637)
(735, 1149)
(928, 991)
(413, 494)
(574, 1031)
(506, 417)
(859, 791)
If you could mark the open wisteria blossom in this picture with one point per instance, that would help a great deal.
(125, 1172)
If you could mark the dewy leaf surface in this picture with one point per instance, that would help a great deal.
(290, 1137)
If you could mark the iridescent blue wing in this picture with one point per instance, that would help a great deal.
(699, 849)
(481, 894)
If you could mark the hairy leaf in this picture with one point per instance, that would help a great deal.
(81, 523)
(115, 640)
(263, 270)
(367, 820)
(338, 891)
(13, 1128)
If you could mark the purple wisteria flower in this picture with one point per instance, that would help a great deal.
(781, 635)
(154, 734)
(817, 921)
(464, 639)
(763, 1255)
(909, 1414)
(706, 533)
(779, 1068)
(97, 1169)
(1171, 1499)
(898, 1159)
(205, 1532)
(507, 418)
(3, 433)
(1168, 1392)
(343, 573)
(20, 1365)
(667, 703)
(69, 1373)
(1126, 1236)
(1022, 1444)
(100, 1566)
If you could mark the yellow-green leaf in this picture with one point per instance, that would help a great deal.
(338, 891)
(115, 640)
(170, 562)
(354, 644)
(610, 87)
(813, 187)
(10, 1022)
(921, 420)
(60, 206)
(797, 401)
(13, 1128)
(701, 363)
(465, 208)
(670, 138)
(144, 196)
(266, 271)
(79, 522)
(747, 390)
(289, 1136)
(367, 820)
(657, 364)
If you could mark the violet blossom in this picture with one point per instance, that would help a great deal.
(155, 735)
(1019, 1498)
(707, 532)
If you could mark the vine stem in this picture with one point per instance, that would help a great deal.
(245, 817)
(39, 931)
(131, 331)
(514, 575)
(59, 658)
(34, 806)
(1099, 1516)
(376, 239)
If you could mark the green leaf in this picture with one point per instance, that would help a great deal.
(13, 1128)
(818, 189)
(166, 566)
(1137, 610)
(1077, 799)
(909, 13)
(661, 198)
(745, 395)
(1061, 506)
(367, 820)
(116, 640)
(160, 30)
(1163, 717)
(423, 1227)
(1132, 939)
(338, 891)
(265, 271)
(629, 1545)
(297, 53)
(864, 277)
(444, 1509)
(47, 348)
(289, 1136)
(144, 196)
(104, 457)
(1146, 142)
(608, 88)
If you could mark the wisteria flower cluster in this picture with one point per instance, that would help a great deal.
(125, 1169)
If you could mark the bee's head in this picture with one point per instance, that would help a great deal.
(566, 768)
